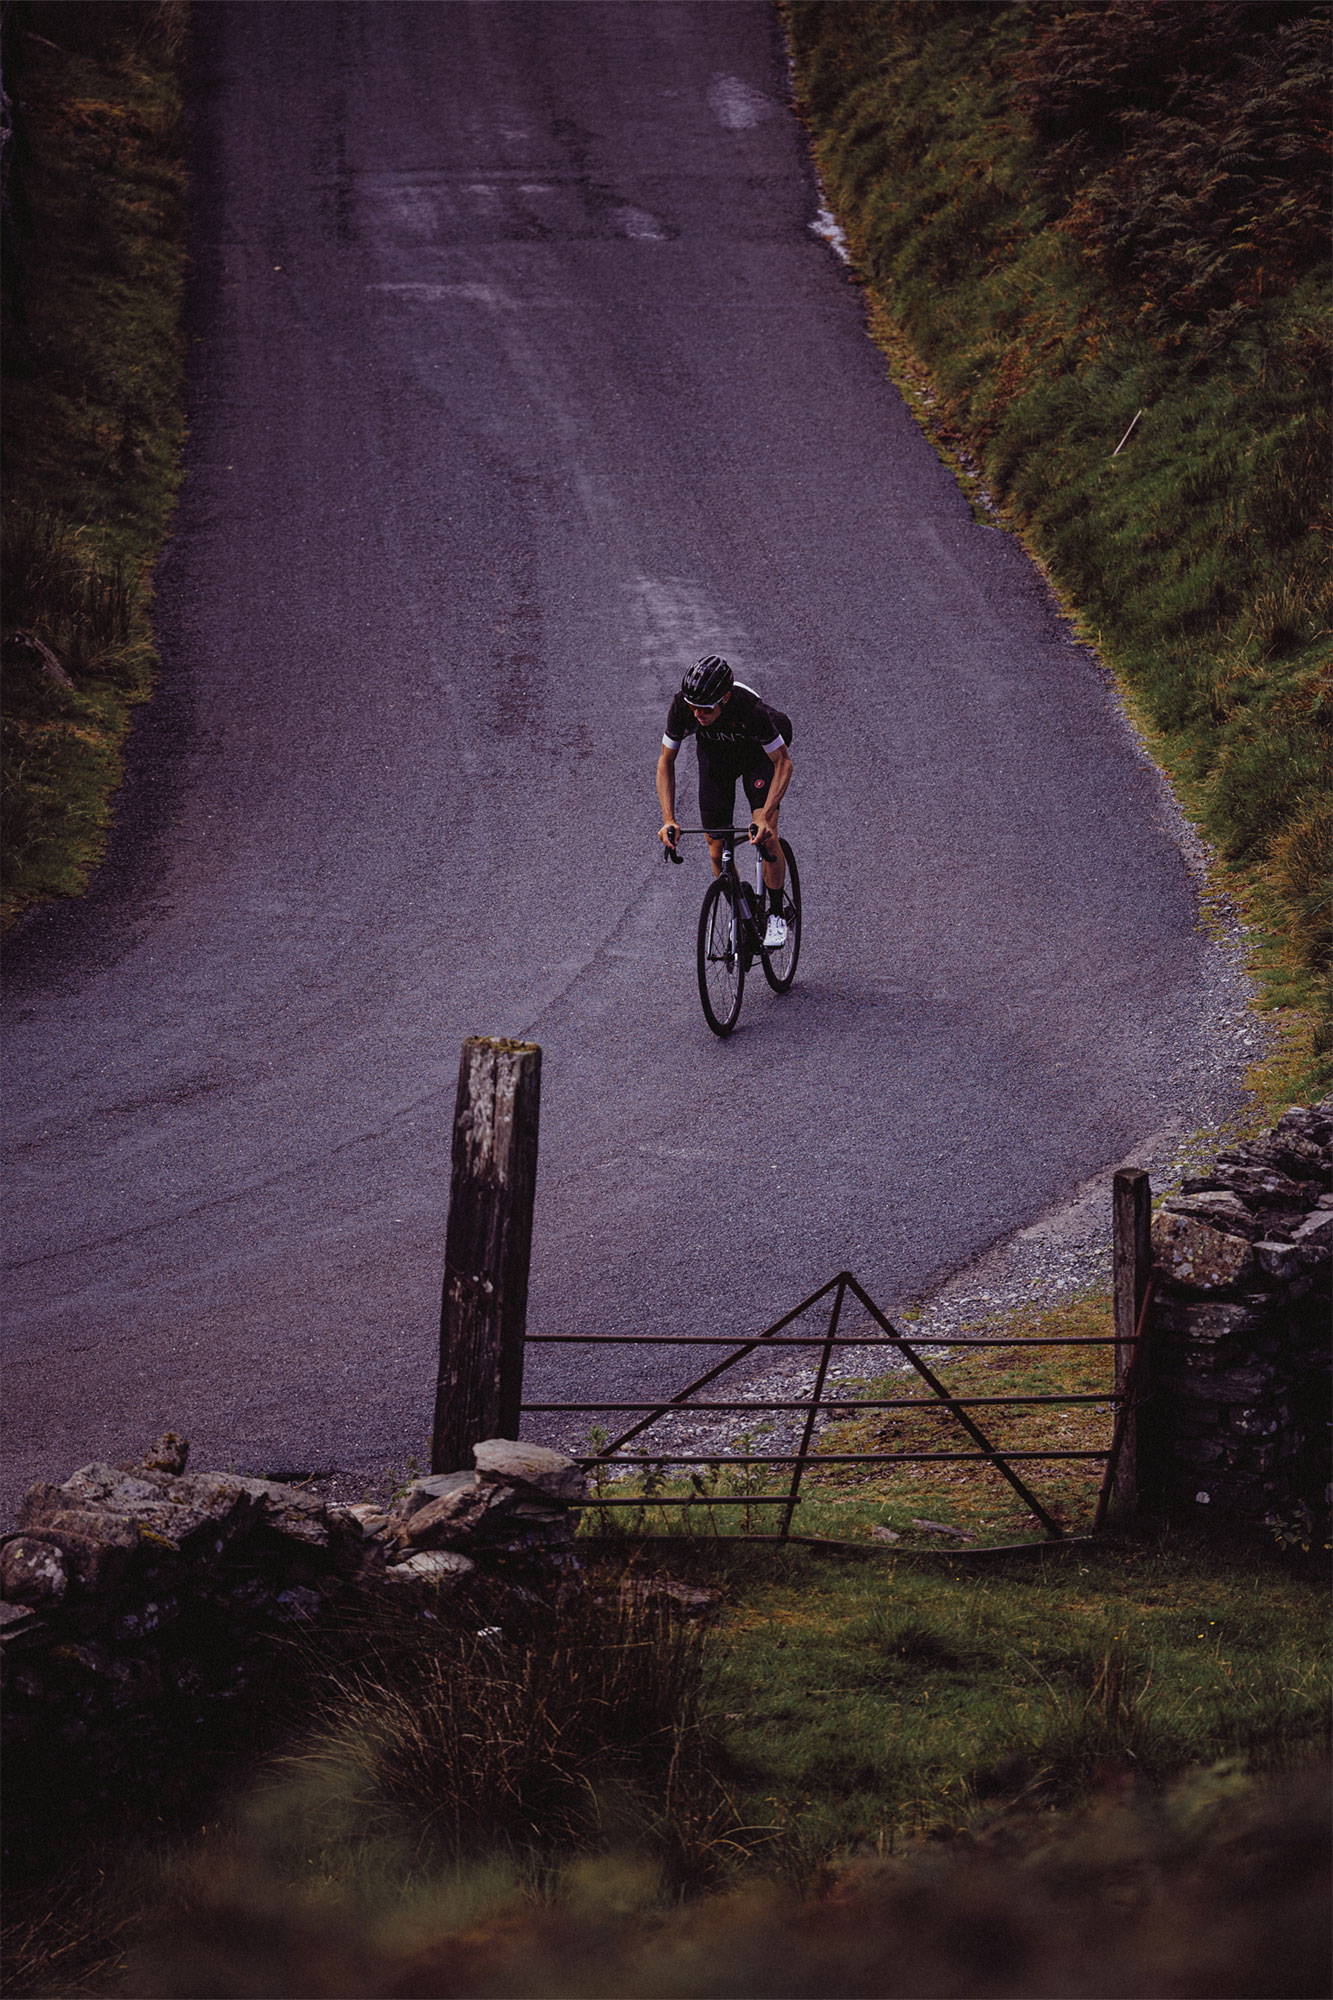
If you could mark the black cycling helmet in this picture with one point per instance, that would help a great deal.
(705, 685)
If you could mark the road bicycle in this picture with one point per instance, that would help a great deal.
(732, 923)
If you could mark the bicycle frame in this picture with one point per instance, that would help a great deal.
(732, 837)
(732, 925)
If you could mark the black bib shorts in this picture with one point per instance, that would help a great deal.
(717, 788)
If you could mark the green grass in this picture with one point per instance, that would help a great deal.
(92, 418)
(1054, 214)
(855, 1503)
(868, 1698)
(869, 1701)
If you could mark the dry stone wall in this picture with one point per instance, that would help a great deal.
(1237, 1425)
(142, 1603)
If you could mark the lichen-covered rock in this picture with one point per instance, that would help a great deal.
(1310, 1121)
(99, 1485)
(1240, 1380)
(370, 1519)
(1262, 1186)
(550, 1474)
(1300, 1158)
(1313, 1238)
(1230, 1386)
(142, 1620)
(124, 1679)
(421, 1492)
(1220, 1209)
(1279, 1260)
(1255, 1424)
(99, 1547)
(1190, 1253)
(33, 1570)
(1205, 1321)
(456, 1515)
(169, 1453)
(298, 1604)
(284, 1510)
(431, 1569)
(195, 1515)
(18, 1622)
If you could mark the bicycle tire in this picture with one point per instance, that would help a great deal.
(721, 958)
(780, 965)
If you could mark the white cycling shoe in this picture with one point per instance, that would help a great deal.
(776, 934)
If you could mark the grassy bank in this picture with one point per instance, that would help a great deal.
(870, 1704)
(93, 411)
(1094, 249)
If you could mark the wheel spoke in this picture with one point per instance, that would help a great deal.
(721, 963)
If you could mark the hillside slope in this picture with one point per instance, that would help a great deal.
(1093, 240)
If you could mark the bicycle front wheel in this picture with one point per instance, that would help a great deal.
(721, 958)
(780, 965)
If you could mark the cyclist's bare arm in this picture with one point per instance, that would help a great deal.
(666, 794)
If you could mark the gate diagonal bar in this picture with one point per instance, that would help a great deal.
(837, 1291)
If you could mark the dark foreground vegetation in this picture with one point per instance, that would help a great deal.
(1095, 245)
(1099, 1773)
(92, 418)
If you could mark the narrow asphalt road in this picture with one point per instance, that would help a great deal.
(518, 380)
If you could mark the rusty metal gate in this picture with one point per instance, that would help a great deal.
(833, 1297)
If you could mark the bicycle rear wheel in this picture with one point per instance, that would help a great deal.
(780, 965)
(721, 959)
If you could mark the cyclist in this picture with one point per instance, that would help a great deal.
(738, 736)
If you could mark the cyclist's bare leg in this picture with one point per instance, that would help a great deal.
(774, 860)
(771, 854)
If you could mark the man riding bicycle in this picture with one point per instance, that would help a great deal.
(738, 736)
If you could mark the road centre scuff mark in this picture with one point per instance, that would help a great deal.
(737, 105)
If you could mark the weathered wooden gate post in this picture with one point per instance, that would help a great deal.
(1131, 1272)
(487, 1248)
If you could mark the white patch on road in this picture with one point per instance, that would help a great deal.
(737, 105)
(826, 227)
(493, 296)
(638, 223)
(708, 1155)
(404, 209)
(675, 625)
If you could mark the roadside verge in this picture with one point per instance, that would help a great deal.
(1141, 400)
(93, 412)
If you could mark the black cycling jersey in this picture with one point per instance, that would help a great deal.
(743, 736)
